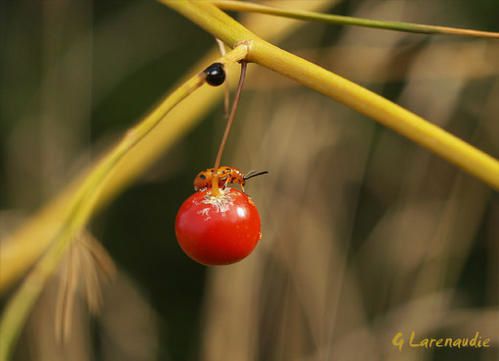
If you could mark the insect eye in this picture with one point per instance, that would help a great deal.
(215, 74)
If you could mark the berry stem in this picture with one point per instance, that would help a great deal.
(215, 191)
(231, 116)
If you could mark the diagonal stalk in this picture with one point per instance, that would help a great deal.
(350, 20)
(391, 115)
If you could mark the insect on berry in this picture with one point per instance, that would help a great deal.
(219, 225)
(218, 229)
(215, 74)
(226, 175)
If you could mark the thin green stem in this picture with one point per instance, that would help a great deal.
(353, 21)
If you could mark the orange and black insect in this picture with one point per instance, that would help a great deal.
(226, 175)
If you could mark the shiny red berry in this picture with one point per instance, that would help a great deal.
(218, 230)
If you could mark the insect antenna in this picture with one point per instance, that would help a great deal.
(253, 173)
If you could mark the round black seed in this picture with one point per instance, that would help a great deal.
(215, 74)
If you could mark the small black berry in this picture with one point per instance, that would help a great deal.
(215, 74)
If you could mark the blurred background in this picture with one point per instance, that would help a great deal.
(364, 233)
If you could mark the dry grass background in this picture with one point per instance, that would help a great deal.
(365, 234)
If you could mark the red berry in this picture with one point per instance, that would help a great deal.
(218, 230)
